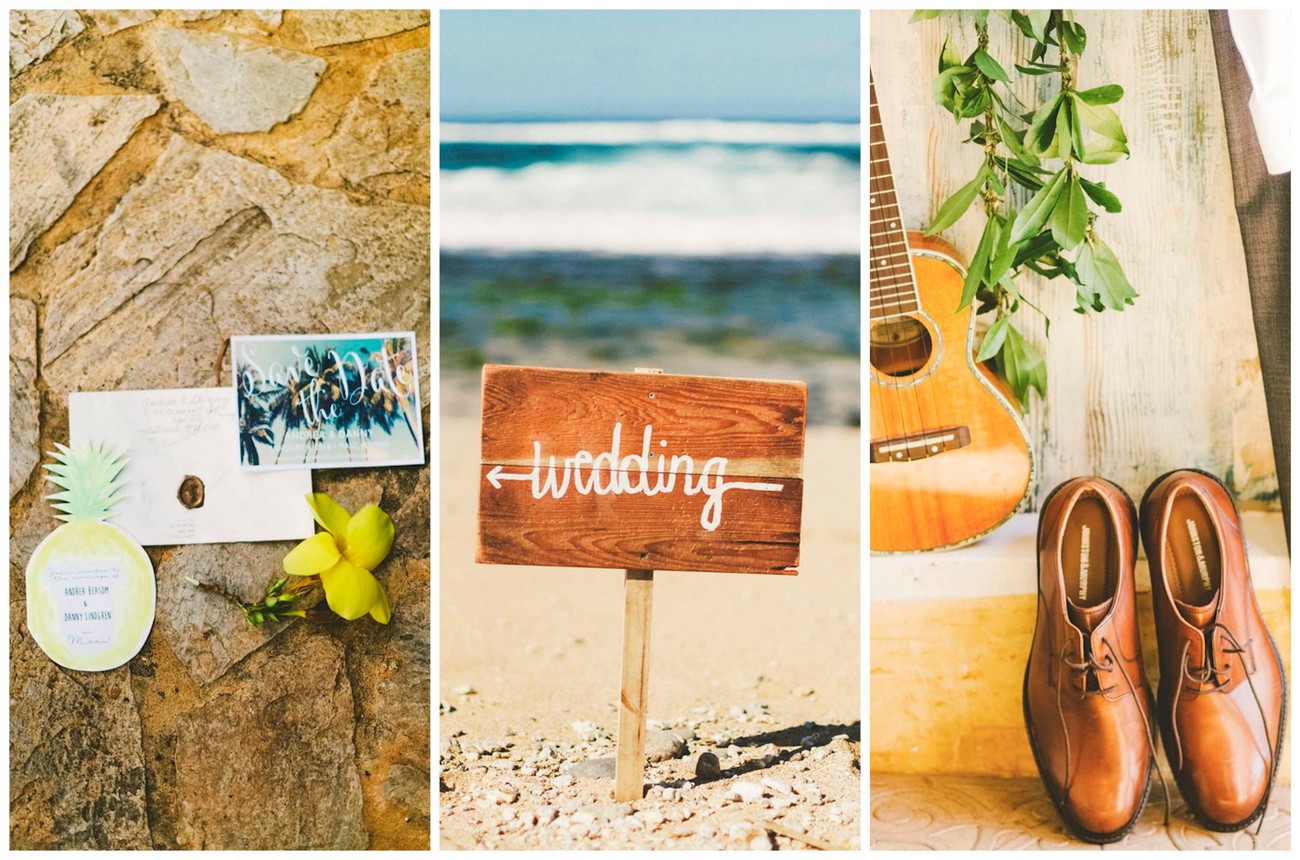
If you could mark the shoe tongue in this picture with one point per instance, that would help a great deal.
(1199, 617)
(1086, 618)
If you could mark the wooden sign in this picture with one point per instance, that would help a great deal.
(640, 471)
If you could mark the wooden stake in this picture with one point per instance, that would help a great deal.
(629, 766)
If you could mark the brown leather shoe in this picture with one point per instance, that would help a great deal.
(1222, 689)
(1087, 706)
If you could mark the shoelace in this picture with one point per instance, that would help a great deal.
(1207, 673)
(1112, 660)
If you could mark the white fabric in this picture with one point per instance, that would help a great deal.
(1264, 40)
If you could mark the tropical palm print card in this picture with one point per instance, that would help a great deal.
(327, 401)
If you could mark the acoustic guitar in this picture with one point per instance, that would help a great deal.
(949, 455)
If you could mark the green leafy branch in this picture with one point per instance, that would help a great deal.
(1054, 234)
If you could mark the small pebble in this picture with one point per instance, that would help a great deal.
(587, 730)
(594, 768)
(746, 791)
(777, 784)
(707, 767)
(464, 690)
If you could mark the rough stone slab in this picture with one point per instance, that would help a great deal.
(24, 399)
(269, 760)
(59, 143)
(110, 21)
(205, 631)
(386, 129)
(76, 764)
(34, 34)
(214, 75)
(196, 14)
(390, 667)
(337, 27)
(272, 17)
(412, 517)
(209, 245)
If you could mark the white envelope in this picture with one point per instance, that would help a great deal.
(175, 436)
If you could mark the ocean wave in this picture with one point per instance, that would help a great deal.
(703, 201)
(657, 131)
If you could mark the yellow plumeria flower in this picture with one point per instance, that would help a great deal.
(343, 556)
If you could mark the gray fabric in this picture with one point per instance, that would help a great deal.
(1264, 211)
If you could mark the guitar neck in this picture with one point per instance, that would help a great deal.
(892, 284)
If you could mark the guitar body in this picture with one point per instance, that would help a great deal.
(950, 457)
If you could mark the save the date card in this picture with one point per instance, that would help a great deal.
(327, 401)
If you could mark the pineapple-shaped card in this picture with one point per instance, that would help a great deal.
(90, 585)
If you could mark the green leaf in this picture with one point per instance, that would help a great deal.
(1099, 270)
(979, 264)
(1103, 151)
(1034, 248)
(1070, 215)
(944, 87)
(1106, 95)
(1036, 70)
(956, 205)
(1076, 133)
(1026, 175)
(1038, 19)
(1064, 132)
(927, 14)
(1042, 127)
(1002, 258)
(993, 339)
(1022, 366)
(1100, 119)
(1074, 36)
(1039, 208)
(1019, 19)
(1012, 140)
(981, 18)
(948, 57)
(989, 66)
(996, 184)
(1101, 196)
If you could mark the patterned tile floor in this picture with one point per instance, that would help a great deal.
(947, 812)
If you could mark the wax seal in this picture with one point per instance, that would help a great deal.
(190, 493)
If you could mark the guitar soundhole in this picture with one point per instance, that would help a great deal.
(900, 347)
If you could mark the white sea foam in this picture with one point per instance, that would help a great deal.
(705, 201)
(658, 131)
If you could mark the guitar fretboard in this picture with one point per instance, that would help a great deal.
(892, 285)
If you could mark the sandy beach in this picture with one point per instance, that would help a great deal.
(762, 671)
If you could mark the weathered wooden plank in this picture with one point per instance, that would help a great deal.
(634, 692)
(1173, 380)
(757, 425)
(758, 532)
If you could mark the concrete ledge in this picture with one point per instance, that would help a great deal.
(950, 633)
(1005, 563)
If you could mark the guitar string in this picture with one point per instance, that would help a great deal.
(892, 297)
(924, 357)
(878, 189)
(912, 358)
(910, 273)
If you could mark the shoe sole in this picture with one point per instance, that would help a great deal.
(1070, 825)
(1186, 790)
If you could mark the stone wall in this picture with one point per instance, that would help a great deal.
(176, 178)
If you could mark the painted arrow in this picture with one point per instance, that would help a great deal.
(498, 474)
